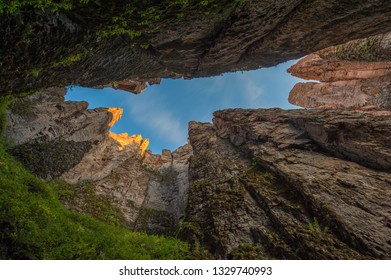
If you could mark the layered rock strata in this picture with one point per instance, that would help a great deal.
(354, 76)
(98, 42)
(290, 184)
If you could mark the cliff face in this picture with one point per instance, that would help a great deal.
(50, 135)
(46, 117)
(280, 184)
(54, 138)
(260, 178)
(101, 42)
(355, 76)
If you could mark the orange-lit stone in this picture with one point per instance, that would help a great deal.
(124, 140)
(116, 115)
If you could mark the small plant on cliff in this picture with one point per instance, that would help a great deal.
(316, 229)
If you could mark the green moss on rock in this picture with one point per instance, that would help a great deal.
(153, 221)
(51, 159)
(82, 197)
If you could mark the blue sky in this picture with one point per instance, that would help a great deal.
(162, 112)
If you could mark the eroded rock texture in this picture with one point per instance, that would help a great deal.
(355, 76)
(259, 178)
(54, 138)
(50, 135)
(133, 86)
(45, 117)
(299, 184)
(106, 41)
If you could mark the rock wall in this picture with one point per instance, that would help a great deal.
(354, 76)
(100, 42)
(50, 135)
(46, 117)
(58, 139)
(270, 184)
(265, 183)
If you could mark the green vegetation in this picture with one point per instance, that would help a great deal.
(240, 2)
(35, 72)
(256, 169)
(316, 229)
(164, 220)
(137, 19)
(35, 225)
(22, 107)
(16, 6)
(68, 61)
(192, 232)
(32, 57)
(247, 251)
(83, 198)
(50, 159)
(362, 50)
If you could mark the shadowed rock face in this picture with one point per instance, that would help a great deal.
(261, 177)
(50, 135)
(355, 76)
(54, 138)
(106, 41)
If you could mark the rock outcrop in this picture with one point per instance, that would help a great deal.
(167, 191)
(56, 138)
(134, 86)
(290, 184)
(47, 117)
(150, 190)
(50, 135)
(354, 76)
(98, 42)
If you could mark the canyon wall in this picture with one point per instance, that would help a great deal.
(354, 76)
(254, 184)
(269, 183)
(264, 183)
(54, 138)
(94, 43)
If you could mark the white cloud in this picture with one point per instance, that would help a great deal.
(251, 92)
(160, 121)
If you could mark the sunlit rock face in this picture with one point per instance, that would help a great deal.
(124, 140)
(259, 178)
(355, 76)
(61, 139)
(192, 40)
(116, 115)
